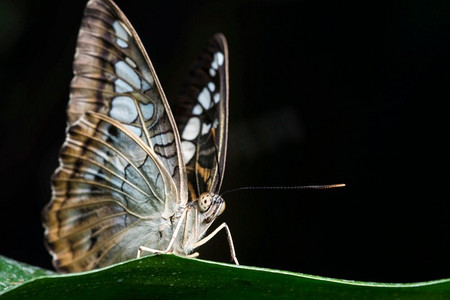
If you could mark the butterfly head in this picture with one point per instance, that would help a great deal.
(210, 205)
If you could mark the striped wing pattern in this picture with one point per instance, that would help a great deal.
(114, 76)
(202, 118)
(121, 173)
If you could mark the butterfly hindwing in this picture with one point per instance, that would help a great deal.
(202, 118)
(109, 187)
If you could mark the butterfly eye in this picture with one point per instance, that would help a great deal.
(204, 202)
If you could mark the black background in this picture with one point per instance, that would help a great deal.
(320, 92)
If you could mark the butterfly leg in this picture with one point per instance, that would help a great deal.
(172, 240)
(154, 251)
(229, 238)
(192, 255)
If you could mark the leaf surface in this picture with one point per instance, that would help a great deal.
(173, 277)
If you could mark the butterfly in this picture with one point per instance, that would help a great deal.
(133, 178)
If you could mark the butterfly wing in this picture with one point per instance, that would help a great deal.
(113, 75)
(109, 195)
(121, 174)
(202, 118)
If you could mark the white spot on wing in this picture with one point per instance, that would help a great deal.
(216, 97)
(121, 30)
(122, 43)
(212, 72)
(147, 110)
(130, 62)
(206, 128)
(124, 71)
(121, 86)
(121, 34)
(211, 86)
(214, 64)
(123, 109)
(197, 109)
(220, 58)
(145, 86)
(205, 98)
(188, 149)
(192, 129)
(134, 129)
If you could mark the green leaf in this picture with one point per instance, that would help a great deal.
(173, 277)
(14, 273)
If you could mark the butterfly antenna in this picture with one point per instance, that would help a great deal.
(297, 187)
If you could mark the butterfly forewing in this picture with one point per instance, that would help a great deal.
(114, 76)
(202, 117)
